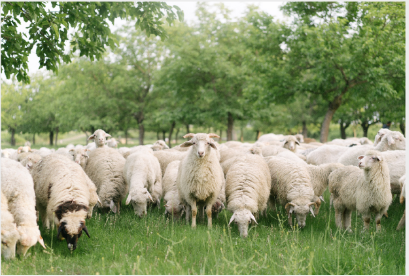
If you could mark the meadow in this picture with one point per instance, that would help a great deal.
(126, 244)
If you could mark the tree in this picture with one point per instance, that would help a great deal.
(49, 30)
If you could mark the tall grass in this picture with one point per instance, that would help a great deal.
(126, 244)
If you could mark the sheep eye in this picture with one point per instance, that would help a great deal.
(194, 143)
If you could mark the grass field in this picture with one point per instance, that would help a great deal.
(126, 244)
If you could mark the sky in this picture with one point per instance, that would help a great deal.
(189, 8)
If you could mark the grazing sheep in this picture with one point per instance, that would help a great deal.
(325, 154)
(402, 181)
(365, 189)
(170, 191)
(229, 162)
(248, 184)
(105, 168)
(9, 233)
(62, 188)
(319, 179)
(99, 138)
(200, 176)
(167, 156)
(291, 187)
(159, 145)
(392, 140)
(112, 143)
(17, 186)
(144, 181)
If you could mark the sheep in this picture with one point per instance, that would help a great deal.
(143, 177)
(291, 187)
(200, 176)
(105, 168)
(270, 137)
(300, 137)
(365, 189)
(319, 179)
(365, 141)
(402, 181)
(396, 160)
(248, 185)
(379, 135)
(9, 232)
(170, 191)
(159, 145)
(91, 146)
(79, 156)
(70, 146)
(392, 140)
(99, 138)
(17, 186)
(290, 143)
(62, 188)
(27, 144)
(28, 159)
(135, 149)
(167, 156)
(272, 150)
(112, 143)
(325, 154)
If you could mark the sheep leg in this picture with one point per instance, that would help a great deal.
(89, 214)
(378, 221)
(290, 220)
(338, 218)
(209, 215)
(188, 213)
(401, 224)
(118, 205)
(347, 220)
(367, 220)
(194, 213)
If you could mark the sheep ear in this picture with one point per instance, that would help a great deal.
(232, 218)
(360, 157)
(379, 158)
(150, 197)
(91, 137)
(99, 201)
(312, 211)
(298, 143)
(321, 198)
(186, 144)
(19, 149)
(71, 150)
(189, 135)
(212, 135)
(390, 140)
(289, 207)
(41, 241)
(213, 145)
(86, 231)
(128, 200)
(107, 135)
(112, 206)
(253, 218)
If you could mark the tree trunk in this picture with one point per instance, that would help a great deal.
(304, 129)
(86, 136)
(333, 106)
(343, 126)
(172, 126)
(51, 137)
(230, 122)
(257, 134)
(56, 135)
(141, 133)
(34, 138)
(187, 129)
(126, 136)
(163, 135)
(402, 127)
(157, 135)
(13, 139)
(365, 127)
(177, 134)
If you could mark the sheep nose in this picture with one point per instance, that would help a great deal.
(201, 153)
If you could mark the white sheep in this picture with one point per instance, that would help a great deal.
(99, 138)
(379, 135)
(270, 137)
(365, 189)
(143, 177)
(326, 154)
(290, 143)
(300, 137)
(291, 187)
(9, 233)
(402, 181)
(248, 185)
(200, 176)
(170, 191)
(28, 159)
(112, 143)
(65, 196)
(396, 160)
(17, 185)
(159, 145)
(165, 157)
(79, 156)
(105, 168)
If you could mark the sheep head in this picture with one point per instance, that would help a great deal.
(99, 137)
(80, 156)
(9, 239)
(290, 143)
(301, 208)
(379, 135)
(201, 142)
(29, 236)
(242, 218)
(370, 159)
(159, 145)
(139, 200)
(174, 208)
(71, 227)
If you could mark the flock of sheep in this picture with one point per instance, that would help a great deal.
(197, 178)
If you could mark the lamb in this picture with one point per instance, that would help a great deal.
(159, 145)
(392, 140)
(365, 189)
(200, 176)
(9, 233)
(291, 187)
(170, 191)
(17, 186)
(99, 138)
(167, 156)
(325, 154)
(105, 168)
(248, 184)
(143, 177)
(319, 179)
(402, 181)
(62, 188)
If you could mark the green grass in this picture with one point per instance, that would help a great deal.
(125, 244)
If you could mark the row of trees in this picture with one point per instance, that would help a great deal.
(337, 62)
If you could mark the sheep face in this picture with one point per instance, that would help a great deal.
(159, 145)
(301, 211)
(395, 139)
(71, 226)
(80, 156)
(380, 134)
(201, 143)
(139, 201)
(291, 143)
(29, 236)
(174, 209)
(99, 137)
(242, 218)
(368, 161)
(8, 243)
